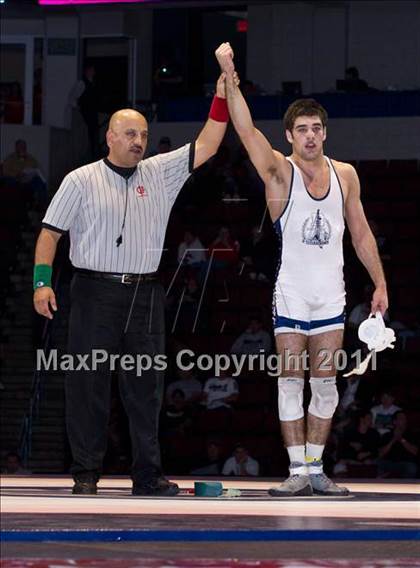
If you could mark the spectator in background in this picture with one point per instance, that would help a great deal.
(382, 414)
(14, 465)
(191, 251)
(24, 168)
(353, 83)
(359, 445)
(223, 253)
(214, 462)
(220, 392)
(20, 164)
(192, 293)
(187, 383)
(241, 463)
(253, 340)
(176, 417)
(224, 249)
(398, 452)
(84, 97)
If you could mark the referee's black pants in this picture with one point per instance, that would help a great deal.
(98, 317)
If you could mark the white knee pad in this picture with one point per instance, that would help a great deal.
(290, 398)
(324, 398)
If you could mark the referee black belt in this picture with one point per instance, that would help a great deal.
(117, 277)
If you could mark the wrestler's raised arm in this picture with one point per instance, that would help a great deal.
(270, 164)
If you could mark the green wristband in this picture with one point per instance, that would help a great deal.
(42, 275)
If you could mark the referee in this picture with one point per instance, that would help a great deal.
(116, 211)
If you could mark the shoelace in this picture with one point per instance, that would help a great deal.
(294, 478)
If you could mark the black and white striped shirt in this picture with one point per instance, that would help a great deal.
(90, 204)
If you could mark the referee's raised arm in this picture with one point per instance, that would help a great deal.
(214, 130)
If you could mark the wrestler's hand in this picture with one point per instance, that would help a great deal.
(44, 298)
(224, 55)
(221, 84)
(379, 301)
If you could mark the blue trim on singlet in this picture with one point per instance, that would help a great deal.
(277, 224)
(314, 324)
(281, 321)
(339, 185)
(279, 233)
(313, 196)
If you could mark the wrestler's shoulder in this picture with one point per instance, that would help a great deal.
(283, 168)
(344, 169)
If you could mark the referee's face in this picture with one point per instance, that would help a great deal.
(127, 138)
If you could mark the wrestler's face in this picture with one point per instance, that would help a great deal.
(307, 137)
(127, 141)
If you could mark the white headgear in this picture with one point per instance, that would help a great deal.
(373, 332)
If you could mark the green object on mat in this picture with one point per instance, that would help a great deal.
(208, 488)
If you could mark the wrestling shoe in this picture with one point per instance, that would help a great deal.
(296, 485)
(323, 485)
(84, 487)
(158, 487)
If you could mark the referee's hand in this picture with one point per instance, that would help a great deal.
(44, 298)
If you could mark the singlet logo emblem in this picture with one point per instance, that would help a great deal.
(141, 192)
(316, 230)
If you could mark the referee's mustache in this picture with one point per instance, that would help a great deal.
(136, 148)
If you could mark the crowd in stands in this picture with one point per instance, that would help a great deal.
(21, 170)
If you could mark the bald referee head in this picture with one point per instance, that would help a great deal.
(127, 138)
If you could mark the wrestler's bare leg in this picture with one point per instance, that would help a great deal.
(291, 347)
(322, 348)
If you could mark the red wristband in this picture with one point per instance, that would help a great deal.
(219, 110)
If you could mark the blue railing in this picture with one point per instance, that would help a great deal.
(273, 107)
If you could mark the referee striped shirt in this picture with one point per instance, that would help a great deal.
(90, 205)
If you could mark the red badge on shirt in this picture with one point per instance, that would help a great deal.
(141, 192)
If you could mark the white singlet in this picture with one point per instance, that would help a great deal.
(309, 294)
